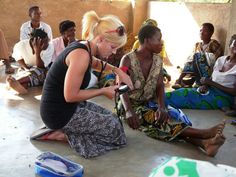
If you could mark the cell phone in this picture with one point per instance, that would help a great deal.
(123, 89)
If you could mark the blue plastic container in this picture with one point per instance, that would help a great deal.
(49, 164)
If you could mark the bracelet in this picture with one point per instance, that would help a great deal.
(124, 68)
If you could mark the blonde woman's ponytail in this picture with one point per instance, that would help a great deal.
(89, 21)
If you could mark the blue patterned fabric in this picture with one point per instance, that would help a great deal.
(174, 113)
(190, 98)
(199, 67)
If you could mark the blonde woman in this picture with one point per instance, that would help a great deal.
(89, 128)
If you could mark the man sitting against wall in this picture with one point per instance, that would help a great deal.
(33, 56)
(34, 23)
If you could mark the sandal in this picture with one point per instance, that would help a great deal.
(41, 133)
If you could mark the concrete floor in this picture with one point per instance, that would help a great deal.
(19, 117)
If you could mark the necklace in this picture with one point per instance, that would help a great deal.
(90, 52)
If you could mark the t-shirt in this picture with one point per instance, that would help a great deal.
(59, 46)
(23, 50)
(54, 109)
(26, 29)
(227, 78)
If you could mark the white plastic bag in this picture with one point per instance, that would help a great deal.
(183, 167)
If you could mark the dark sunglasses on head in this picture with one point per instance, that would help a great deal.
(120, 31)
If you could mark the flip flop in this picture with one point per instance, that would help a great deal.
(40, 132)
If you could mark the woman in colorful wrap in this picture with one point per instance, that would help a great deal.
(217, 92)
(144, 107)
(201, 62)
(89, 128)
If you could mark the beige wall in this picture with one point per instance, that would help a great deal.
(14, 12)
(140, 14)
(232, 24)
(180, 24)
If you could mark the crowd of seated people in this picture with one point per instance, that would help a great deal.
(215, 92)
(146, 106)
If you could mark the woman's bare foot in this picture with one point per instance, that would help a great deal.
(211, 132)
(212, 145)
(55, 135)
(15, 85)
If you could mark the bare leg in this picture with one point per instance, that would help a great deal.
(210, 146)
(55, 135)
(9, 69)
(204, 133)
(15, 85)
(4, 53)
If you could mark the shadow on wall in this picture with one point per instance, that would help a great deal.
(222, 37)
(180, 24)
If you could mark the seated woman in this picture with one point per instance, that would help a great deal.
(67, 30)
(163, 53)
(145, 105)
(33, 56)
(201, 62)
(89, 128)
(217, 92)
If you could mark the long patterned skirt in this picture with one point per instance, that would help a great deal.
(176, 125)
(190, 98)
(93, 130)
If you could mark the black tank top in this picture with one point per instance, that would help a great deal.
(54, 110)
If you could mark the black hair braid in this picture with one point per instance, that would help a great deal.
(38, 33)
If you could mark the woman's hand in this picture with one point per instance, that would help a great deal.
(109, 92)
(203, 89)
(205, 81)
(132, 120)
(162, 116)
(37, 45)
(123, 78)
